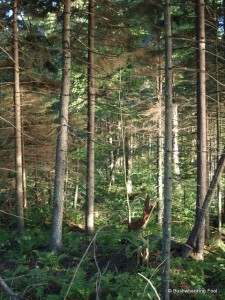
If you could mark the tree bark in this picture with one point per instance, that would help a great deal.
(128, 152)
(218, 116)
(23, 163)
(175, 141)
(199, 219)
(202, 170)
(112, 158)
(165, 277)
(121, 125)
(90, 185)
(61, 150)
(160, 146)
(18, 127)
(76, 192)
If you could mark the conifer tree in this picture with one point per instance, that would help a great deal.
(202, 170)
(18, 125)
(62, 139)
(167, 155)
(90, 184)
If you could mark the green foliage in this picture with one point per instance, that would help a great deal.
(48, 259)
(4, 238)
(40, 274)
(129, 56)
(81, 287)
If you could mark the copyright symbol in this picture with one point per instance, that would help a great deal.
(169, 290)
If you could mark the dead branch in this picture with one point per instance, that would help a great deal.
(9, 291)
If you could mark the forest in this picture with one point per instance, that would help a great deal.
(112, 149)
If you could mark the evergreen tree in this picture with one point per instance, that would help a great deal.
(62, 139)
(91, 124)
(167, 155)
(18, 125)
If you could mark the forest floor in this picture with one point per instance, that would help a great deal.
(115, 264)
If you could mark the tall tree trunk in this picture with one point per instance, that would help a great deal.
(24, 164)
(61, 150)
(18, 127)
(127, 182)
(160, 146)
(167, 155)
(218, 115)
(223, 4)
(90, 188)
(202, 172)
(219, 194)
(210, 171)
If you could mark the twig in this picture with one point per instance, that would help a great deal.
(4, 212)
(155, 272)
(161, 264)
(78, 266)
(154, 289)
(100, 273)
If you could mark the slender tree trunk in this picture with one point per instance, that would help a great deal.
(218, 117)
(219, 193)
(176, 166)
(18, 127)
(223, 4)
(210, 171)
(24, 184)
(36, 182)
(24, 164)
(167, 156)
(127, 182)
(128, 151)
(202, 172)
(76, 185)
(112, 159)
(112, 168)
(129, 163)
(49, 179)
(199, 219)
(90, 188)
(160, 146)
(61, 150)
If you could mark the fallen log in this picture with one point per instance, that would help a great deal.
(8, 291)
(191, 242)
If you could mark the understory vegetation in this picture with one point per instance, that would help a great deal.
(113, 264)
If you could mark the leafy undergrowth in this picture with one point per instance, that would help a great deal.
(114, 265)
